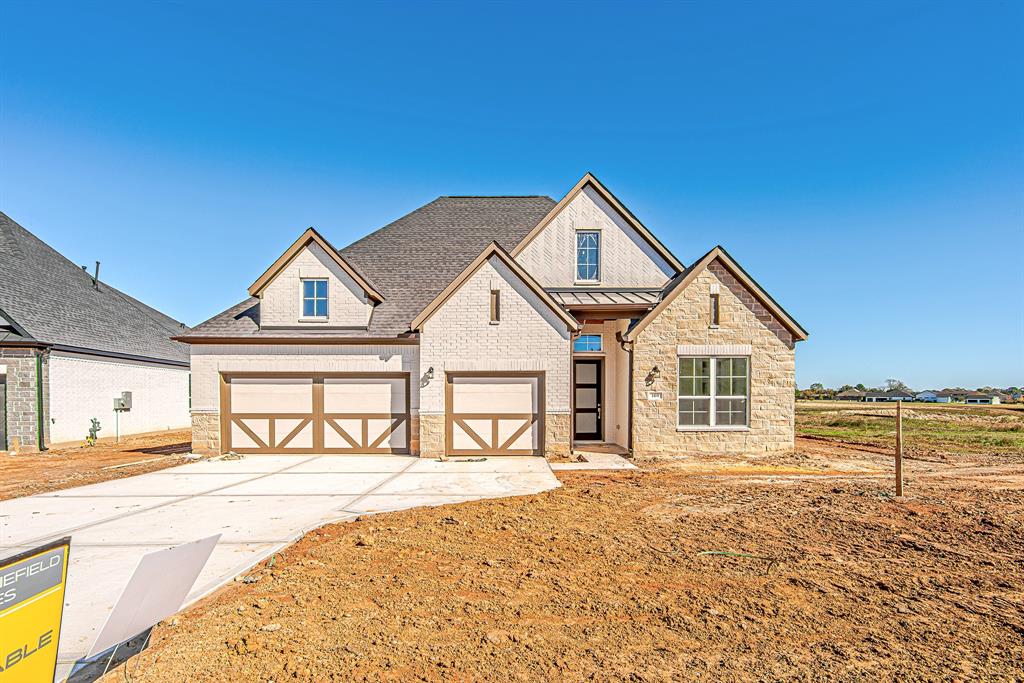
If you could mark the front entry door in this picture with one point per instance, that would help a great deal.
(587, 396)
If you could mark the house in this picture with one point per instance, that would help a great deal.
(934, 396)
(850, 395)
(70, 344)
(888, 396)
(497, 325)
(980, 397)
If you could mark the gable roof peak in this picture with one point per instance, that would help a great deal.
(589, 179)
(494, 249)
(305, 239)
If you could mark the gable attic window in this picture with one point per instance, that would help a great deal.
(716, 311)
(588, 256)
(495, 306)
(314, 298)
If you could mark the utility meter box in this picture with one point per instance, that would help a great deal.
(124, 402)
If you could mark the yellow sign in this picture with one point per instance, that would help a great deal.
(31, 604)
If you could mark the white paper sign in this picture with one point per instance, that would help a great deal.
(155, 591)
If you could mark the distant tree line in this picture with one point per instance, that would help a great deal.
(817, 390)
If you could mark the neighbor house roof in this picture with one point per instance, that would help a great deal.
(48, 300)
(409, 262)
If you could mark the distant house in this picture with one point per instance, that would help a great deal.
(980, 397)
(850, 395)
(933, 396)
(888, 396)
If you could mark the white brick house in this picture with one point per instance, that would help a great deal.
(70, 344)
(497, 325)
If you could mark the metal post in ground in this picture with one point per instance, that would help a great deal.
(899, 448)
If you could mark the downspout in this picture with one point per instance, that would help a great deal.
(40, 425)
(627, 346)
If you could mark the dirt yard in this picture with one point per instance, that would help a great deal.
(609, 578)
(27, 474)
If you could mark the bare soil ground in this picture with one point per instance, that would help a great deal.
(604, 580)
(27, 474)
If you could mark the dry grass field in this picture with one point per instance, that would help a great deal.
(928, 428)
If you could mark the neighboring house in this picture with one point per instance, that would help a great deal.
(70, 345)
(933, 396)
(850, 395)
(980, 397)
(888, 396)
(497, 325)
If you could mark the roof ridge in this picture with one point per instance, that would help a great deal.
(495, 196)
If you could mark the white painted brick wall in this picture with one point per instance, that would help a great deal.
(83, 387)
(210, 360)
(529, 337)
(627, 260)
(281, 300)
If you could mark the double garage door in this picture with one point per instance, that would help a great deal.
(292, 413)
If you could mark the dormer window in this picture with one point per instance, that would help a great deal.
(314, 298)
(588, 256)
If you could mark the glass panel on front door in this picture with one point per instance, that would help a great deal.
(587, 400)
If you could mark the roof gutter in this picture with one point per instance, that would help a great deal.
(115, 354)
(297, 340)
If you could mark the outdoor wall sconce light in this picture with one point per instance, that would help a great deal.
(427, 376)
(653, 375)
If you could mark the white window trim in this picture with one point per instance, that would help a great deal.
(600, 256)
(712, 397)
(302, 301)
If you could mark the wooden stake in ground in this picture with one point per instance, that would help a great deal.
(899, 448)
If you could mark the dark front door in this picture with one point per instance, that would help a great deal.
(587, 397)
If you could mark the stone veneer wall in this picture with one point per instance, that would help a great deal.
(206, 433)
(687, 321)
(22, 421)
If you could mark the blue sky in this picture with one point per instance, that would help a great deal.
(863, 161)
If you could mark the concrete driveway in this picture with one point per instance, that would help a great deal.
(259, 504)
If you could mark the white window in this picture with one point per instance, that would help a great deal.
(588, 256)
(587, 343)
(314, 298)
(714, 392)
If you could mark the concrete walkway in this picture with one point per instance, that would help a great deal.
(259, 504)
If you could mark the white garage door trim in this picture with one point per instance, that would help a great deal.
(320, 419)
(494, 432)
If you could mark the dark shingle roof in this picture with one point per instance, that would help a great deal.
(410, 261)
(53, 302)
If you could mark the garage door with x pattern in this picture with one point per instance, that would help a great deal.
(494, 413)
(354, 412)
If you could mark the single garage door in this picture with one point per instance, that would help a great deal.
(494, 413)
(354, 412)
